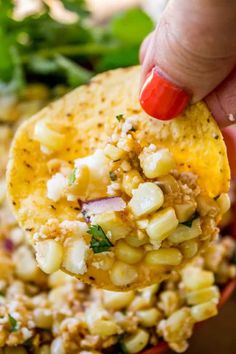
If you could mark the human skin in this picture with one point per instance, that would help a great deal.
(194, 48)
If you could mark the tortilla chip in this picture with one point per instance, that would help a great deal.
(89, 114)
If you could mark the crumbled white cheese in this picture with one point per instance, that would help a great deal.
(56, 186)
(78, 228)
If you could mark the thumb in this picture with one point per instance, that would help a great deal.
(192, 50)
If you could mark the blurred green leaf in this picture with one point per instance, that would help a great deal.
(75, 74)
(131, 26)
(121, 57)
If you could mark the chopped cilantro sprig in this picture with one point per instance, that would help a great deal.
(72, 177)
(13, 323)
(99, 241)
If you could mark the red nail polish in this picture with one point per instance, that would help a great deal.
(162, 99)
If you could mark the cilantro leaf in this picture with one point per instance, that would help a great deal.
(113, 176)
(119, 117)
(72, 177)
(13, 322)
(131, 26)
(99, 242)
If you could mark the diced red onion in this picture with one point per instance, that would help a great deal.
(102, 205)
(8, 245)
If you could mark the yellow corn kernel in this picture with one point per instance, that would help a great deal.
(27, 268)
(164, 256)
(128, 254)
(99, 321)
(112, 222)
(224, 202)
(149, 317)
(80, 185)
(42, 318)
(49, 255)
(195, 278)
(113, 152)
(48, 137)
(184, 211)
(156, 164)
(114, 300)
(146, 199)
(123, 274)
(75, 256)
(162, 224)
(58, 278)
(169, 184)
(44, 349)
(169, 302)
(178, 326)
(57, 346)
(131, 181)
(203, 295)
(136, 342)
(205, 205)
(137, 240)
(185, 233)
(204, 311)
(189, 248)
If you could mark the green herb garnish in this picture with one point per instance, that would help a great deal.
(13, 323)
(40, 49)
(113, 176)
(190, 221)
(99, 242)
(72, 177)
(119, 117)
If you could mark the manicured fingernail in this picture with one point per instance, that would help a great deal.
(162, 99)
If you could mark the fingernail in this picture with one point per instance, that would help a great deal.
(162, 99)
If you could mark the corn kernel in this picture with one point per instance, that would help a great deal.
(162, 224)
(146, 199)
(203, 295)
(49, 255)
(48, 137)
(204, 311)
(99, 321)
(164, 256)
(136, 342)
(189, 248)
(149, 317)
(42, 318)
(205, 205)
(27, 268)
(57, 346)
(75, 256)
(185, 233)
(131, 181)
(195, 278)
(113, 152)
(117, 300)
(112, 222)
(184, 211)
(128, 254)
(123, 274)
(156, 164)
(224, 202)
(136, 241)
(79, 187)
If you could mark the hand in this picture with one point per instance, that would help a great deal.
(191, 55)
